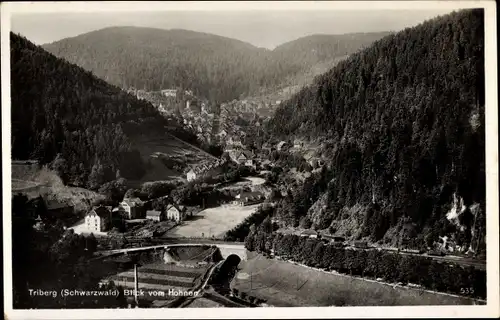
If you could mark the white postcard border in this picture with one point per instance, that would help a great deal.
(492, 308)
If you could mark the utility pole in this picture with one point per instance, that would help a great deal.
(251, 287)
(136, 285)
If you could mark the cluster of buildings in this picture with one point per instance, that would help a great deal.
(173, 92)
(248, 198)
(238, 154)
(244, 198)
(101, 218)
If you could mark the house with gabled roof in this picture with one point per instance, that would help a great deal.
(133, 207)
(98, 219)
(246, 158)
(176, 212)
(234, 142)
(192, 175)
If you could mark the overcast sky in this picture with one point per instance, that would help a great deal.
(261, 28)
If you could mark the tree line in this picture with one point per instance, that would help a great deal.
(390, 266)
(244, 228)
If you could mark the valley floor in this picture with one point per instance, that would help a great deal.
(284, 284)
(213, 221)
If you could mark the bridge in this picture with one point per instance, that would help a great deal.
(226, 249)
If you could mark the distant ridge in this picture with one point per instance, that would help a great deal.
(214, 67)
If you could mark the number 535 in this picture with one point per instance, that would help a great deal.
(467, 290)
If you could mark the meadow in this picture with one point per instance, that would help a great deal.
(284, 284)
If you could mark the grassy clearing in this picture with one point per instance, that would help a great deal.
(45, 182)
(284, 284)
(213, 221)
(151, 147)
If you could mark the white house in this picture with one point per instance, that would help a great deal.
(98, 219)
(169, 92)
(175, 212)
(132, 207)
(191, 175)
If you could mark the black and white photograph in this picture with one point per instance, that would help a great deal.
(327, 158)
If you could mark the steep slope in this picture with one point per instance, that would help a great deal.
(310, 50)
(214, 67)
(404, 121)
(80, 125)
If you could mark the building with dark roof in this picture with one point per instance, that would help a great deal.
(57, 208)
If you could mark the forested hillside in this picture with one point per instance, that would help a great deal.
(217, 68)
(405, 124)
(314, 49)
(66, 117)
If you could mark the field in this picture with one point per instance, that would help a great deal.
(153, 147)
(284, 284)
(23, 186)
(245, 182)
(213, 221)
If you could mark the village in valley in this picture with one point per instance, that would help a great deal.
(228, 191)
(182, 169)
(161, 214)
(175, 225)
